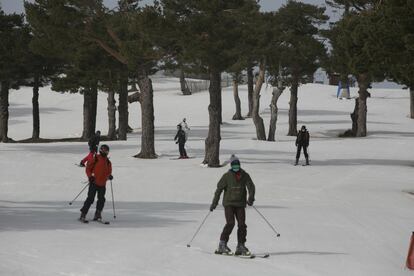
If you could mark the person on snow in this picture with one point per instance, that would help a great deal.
(302, 141)
(234, 183)
(185, 127)
(99, 170)
(180, 139)
(93, 144)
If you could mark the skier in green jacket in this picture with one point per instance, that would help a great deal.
(234, 183)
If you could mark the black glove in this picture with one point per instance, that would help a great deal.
(110, 177)
(212, 207)
(91, 179)
(250, 202)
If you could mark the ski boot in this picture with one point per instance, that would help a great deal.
(223, 249)
(242, 250)
(97, 216)
(83, 218)
(297, 161)
(307, 161)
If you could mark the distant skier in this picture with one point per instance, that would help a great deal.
(93, 144)
(302, 141)
(180, 139)
(185, 127)
(234, 183)
(99, 170)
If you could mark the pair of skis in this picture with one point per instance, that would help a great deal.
(246, 256)
(98, 220)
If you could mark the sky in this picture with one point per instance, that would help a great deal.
(10, 6)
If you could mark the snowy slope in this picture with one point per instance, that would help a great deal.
(347, 214)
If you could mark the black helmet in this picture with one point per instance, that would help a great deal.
(104, 147)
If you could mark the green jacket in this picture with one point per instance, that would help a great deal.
(235, 193)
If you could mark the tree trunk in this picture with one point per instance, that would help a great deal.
(147, 118)
(212, 143)
(250, 90)
(293, 109)
(220, 105)
(277, 91)
(35, 105)
(411, 102)
(237, 115)
(123, 108)
(90, 101)
(257, 120)
(363, 83)
(111, 115)
(354, 118)
(184, 87)
(4, 111)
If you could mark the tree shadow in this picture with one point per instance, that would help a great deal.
(315, 253)
(362, 161)
(44, 215)
(27, 111)
(334, 122)
(310, 112)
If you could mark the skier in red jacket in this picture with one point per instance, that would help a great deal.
(98, 171)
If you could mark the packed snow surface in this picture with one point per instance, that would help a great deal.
(349, 213)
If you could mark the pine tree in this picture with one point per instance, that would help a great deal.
(353, 52)
(57, 29)
(209, 36)
(40, 70)
(302, 51)
(14, 40)
(395, 22)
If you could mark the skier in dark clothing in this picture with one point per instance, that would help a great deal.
(180, 139)
(302, 141)
(93, 144)
(234, 184)
(99, 170)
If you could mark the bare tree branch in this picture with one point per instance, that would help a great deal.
(111, 51)
(114, 36)
(136, 97)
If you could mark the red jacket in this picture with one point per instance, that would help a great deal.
(100, 168)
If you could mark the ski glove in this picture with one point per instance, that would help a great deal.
(91, 179)
(250, 202)
(110, 177)
(212, 207)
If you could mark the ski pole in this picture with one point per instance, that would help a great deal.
(113, 203)
(70, 203)
(198, 230)
(268, 223)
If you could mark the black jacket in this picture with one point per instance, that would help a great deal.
(94, 142)
(180, 136)
(303, 138)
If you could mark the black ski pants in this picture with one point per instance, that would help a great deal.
(92, 191)
(305, 151)
(231, 213)
(181, 148)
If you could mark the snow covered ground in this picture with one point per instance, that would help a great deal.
(347, 214)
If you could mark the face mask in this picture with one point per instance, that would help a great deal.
(235, 168)
(103, 152)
